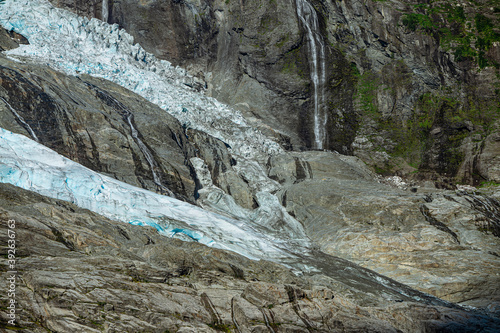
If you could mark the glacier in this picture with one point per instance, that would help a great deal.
(76, 45)
(32, 166)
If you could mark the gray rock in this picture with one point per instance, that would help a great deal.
(81, 272)
(427, 245)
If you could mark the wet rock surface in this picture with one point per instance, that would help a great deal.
(86, 273)
(80, 272)
(386, 76)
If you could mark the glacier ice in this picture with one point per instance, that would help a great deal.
(77, 45)
(74, 45)
(34, 167)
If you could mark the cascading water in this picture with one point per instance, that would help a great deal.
(105, 12)
(21, 120)
(309, 19)
(129, 117)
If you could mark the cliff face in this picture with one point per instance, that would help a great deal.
(408, 85)
(252, 55)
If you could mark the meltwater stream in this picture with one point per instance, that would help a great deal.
(21, 120)
(105, 11)
(128, 116)
(317, 66)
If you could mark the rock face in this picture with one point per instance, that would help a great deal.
(252, 55)
(417, 95)
(448, 240)
(120, 278)
(403, 89)
(80, 272)
(107, 129)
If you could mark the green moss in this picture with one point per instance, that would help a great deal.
(451, 25)
(268, 23)
(294, 64)
(485, 184)
(483, 24)
(384, 171)
(220, 327)
(368, 83)
(414, 21)
(283, 40)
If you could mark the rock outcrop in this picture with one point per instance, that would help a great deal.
(443, 243)
(110, 130)
(81, 272)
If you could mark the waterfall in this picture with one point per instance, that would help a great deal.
(105, 12)
(129, 117)
(147, 154)
(309, 19)
(21, 120)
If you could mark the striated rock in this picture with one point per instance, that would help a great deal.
(442, 243)
(92, 122)
(80, 272)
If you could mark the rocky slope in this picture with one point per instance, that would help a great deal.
(81, 119)
(81, 272)
(443, 243)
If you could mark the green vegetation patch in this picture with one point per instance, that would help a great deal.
(468, 34)
(220, 327)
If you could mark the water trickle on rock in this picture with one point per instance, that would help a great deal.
(21, 120)
(309, 20)
(129, 117)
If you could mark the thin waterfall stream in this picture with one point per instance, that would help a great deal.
(21, 120)
(105, 11)
(309, 19)
(129, 118)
